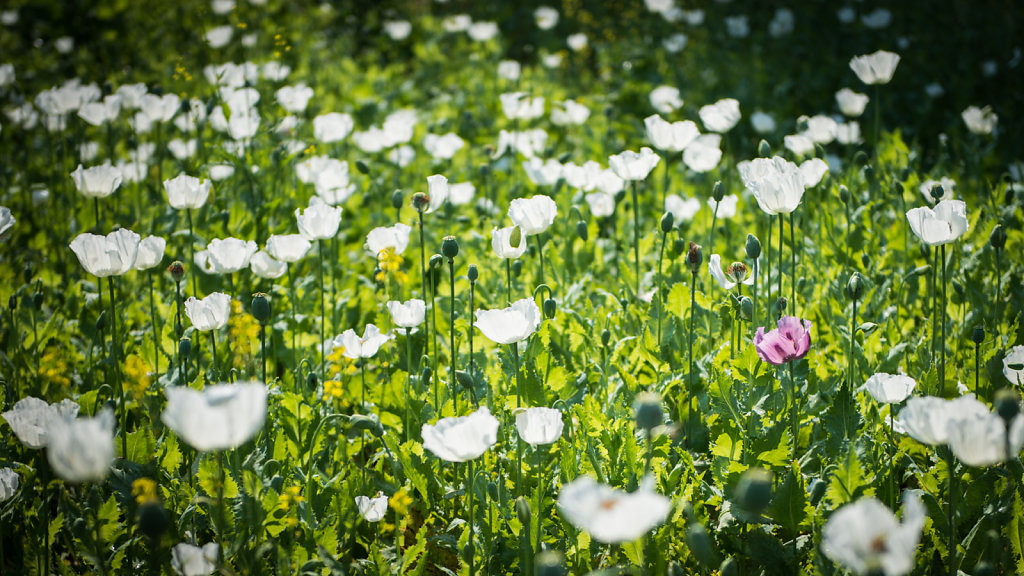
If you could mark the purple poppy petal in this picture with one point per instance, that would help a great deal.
(791, 327)
(775, 348)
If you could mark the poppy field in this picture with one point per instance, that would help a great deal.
(543, 288)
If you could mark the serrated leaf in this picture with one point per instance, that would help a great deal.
(209, 479)
(789, 506)
(141, 446)
(847, 481)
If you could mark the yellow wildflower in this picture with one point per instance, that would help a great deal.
(244, 330)
(137, 375)
(144, 490)
(400, 502)
(53, 368)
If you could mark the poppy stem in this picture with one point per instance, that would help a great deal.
(540, 250)
(408, 379)
(538, 510)
(792, 268)
(794, 415)
(192, 253)
(295, 326)
(661, 255)
(950, 515)
(263, 349)
(323, 310)
(693, 297)
(782, 223)
(423, 258)
(156, 330)
(636, 239)
(451, 333)
(942, 318)
(213, 353)
(508, 282)
(768, 276)
(472, 540)
(117, 369)
(753, 314)
(472, 303)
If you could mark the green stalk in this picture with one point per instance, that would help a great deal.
(423, 258)
(636, 240)
(753, 315)
(472, 297)
(295, 325)
(408, 380)
(323, 352)
(117, 369)
(433, 339)
(950, 512)
(263, 349)
(213, 353)
(451, 333)
(540, 251)
(508, 282)
(661, 255)
(693, 297)
(942, 317)
(782, 223)
(794, 418)
(768, 276)
(792, 269)
(156, 330)
(538, 510)
(192, 253)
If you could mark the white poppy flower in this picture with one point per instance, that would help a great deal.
(569, 113)
(611, 515)
(539, 425)
(799, 144)
(98, 181)
(980, 120)
(776, 183)
(512, 324)
(631, 165)
(875, 68)
(288, 247)
(372, 509)
(184, 191)
(813, 171)
(851, 103)
(602, 204)
(219, 417)
(365, 347)
(665, 99)
(30, 419)
(890, 388)
(461, 193)
(219, 36)
(443, 147)
(160, 108)
(943, 225)
(394, 238)
(1013, 357)
(727, 282)
(230, 254)
(979, 439)
(520, 106)
(318, 221)
(681, 210)
(189, 560)
(9, 481)
(501, 242)
(110, 255)
(509, 70)
(482, 31)
(397, 30)
(6, 219)
(332, 127)
(727, 209)
(546, 17)
(926, 419)
(437, 192)
(541, 172)
(266, 266)
(294, 99)
(704, 153)
(210, 313)
(463, 438)
(865, 538)
(821, 129)
(150, 253)
(670, 137)
(81, 450)
(721, 116)
(408, 314)
(533, 215)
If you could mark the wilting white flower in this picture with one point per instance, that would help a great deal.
(150, 253)
(510, 325)
(776, 183)
(463, 438)
(980, 120)
(927, 419)
(890, 388)
(943, 225)
(31, 417)
(539, 425)
(1014, 356)
(220, 417)
(332, 127)
(546, 17)
(704, 153)
(633, 166)
(980, 439)
(230, 254)
(186, 192)
(288, 247)
(533, 215)
(189, 560)
(851, 103)
(98, 181)
(602, 204)
(81, 450)
(681, 210)
(875, 68)
(670, 137)
(501, 242)
(318, 221)
(372, 509)
(569, 112)
(210, 313)
(666, 99)
(865, 537)
(9, 481)
(728, 282)
(394, 238)
(265, 266)
(610, 515)
(407, 314)
(948, 186)
(110, 255)
(365, 347)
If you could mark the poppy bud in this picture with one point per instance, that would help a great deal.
(754, 490)
(363, 168)
(79, 527)
(869, 174)
(937, 191)
(435, 261)
(729, 567)
(185, 346)
(897, 188)
(984, 569)
(978, 335)
(450, 247)
(678, 247)
(780, 305)
(420, 201)
(816, 490)
(277, 483)
(549, 308)
(425, 374)
(700, 544)
(311, 381)
(998, 237)
(26, 273)
(464, 379)
(582, 231)
(261, 307)
(694, 257)
(467, 552)
(764, 150)
(667, 220)
(1007, 405)
(152, 520)
(523, 511)
(472, 273)
(647, 411)
(855, 286)
(397, 198)
(12, 303)
(717, 192)
(517, 268)
(606, 337)
(37, 300)
(746, 309)
(959, 289)
(177, 271)
(865, 260)
(753, 247)
(860, 158)
(844, 194)
(359, 423)
(492, 490)
(101, 322)
(549, 563)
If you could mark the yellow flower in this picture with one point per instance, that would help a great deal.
(244, 330)
(391, 263)
(400, 502)
(291, 496)
(53, 367)
(137, 375)
(144, 490)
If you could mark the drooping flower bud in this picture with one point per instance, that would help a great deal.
(550, 307)
(606, 337)
(582, 231)
(998, 237)
(435, 261)
(363, 167)
(844, 194)
(523, 511)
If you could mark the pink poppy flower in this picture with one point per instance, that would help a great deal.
(790, 341)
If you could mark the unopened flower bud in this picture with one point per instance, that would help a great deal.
(261, 307)
(701, 546)
(816, 490)
(606, 337)
(450, 247)
(764, 150)
(492, 490)
(311, 381)
(865, 260)
(523, 511)
(694, 257)
(897, 188)
(582, 231)
(667, 221)
(101, 321)
(717, 192)
(754, 490)
(397, 198)
(177, 271)
(425, 375)
(753, 247)
(517, 268)
(998, 237)
(363, 167)
(746, 309)
(1007, 404)
(420, 202)
(472, 273)
(729, 567)
(550, 307)
(485, 169)
(978, 335)
(37, 300)
(12, 303)
(185, 346)
(647, 410)
(860, 158)
(435, 261)
(855, 286)
(844, 194)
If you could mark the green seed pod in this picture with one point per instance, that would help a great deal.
(185, 346)
(582, 231)
(667, 221)
(1007, 404)
(998, 237)
(647, 411)
(473, 273)
(717, 191)
(764, 150)
(492, 490)
(753, 247)
(517, 268)
(550, 307)
(937, 191)
(523, 511)
(450, 247)
(780, 305)
(978, 335)
(261, 307)
(754, 490)
(397, 199)
(363, 168)
(746, 309)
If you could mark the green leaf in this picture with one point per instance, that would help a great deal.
(789, 507)
(1015, 532)
(847, 481)
(726, 447)
(170, 453)
(209, 478)
(141, 446)
(107, 518)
